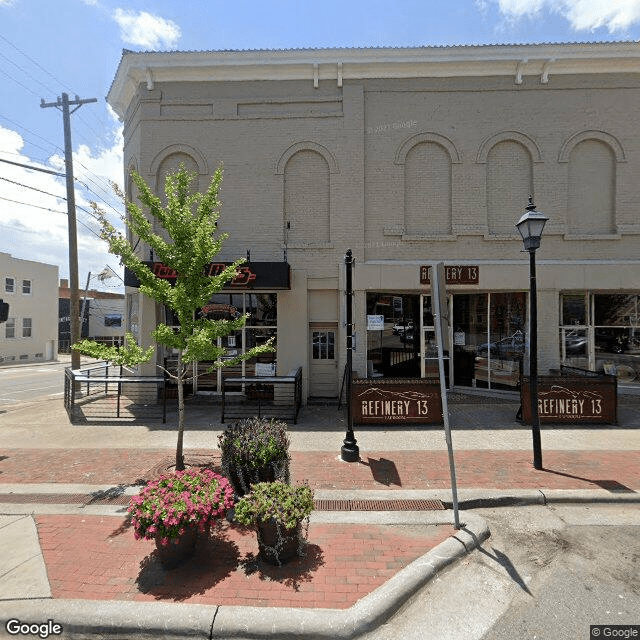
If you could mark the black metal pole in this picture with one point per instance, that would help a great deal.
(533, 362)
(349, 451)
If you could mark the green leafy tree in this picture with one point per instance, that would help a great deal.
(190, 220)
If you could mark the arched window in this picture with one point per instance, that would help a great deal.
(170, 165)
(591, 189)
(427, 190)
(509, 179)
(307, 198)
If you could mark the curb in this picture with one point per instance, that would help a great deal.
(142, 620)
(545, 497)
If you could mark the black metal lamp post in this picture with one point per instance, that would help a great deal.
(530, 227)
(349, 451)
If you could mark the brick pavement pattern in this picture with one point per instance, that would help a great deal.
(613, 470)
(97, 558)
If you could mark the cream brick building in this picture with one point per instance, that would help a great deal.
(409, 157)
(31, 332)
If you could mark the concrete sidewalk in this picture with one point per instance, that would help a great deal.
(64, 490)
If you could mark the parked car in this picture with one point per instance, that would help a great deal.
(507, 347)
(575, 345)
(401, 328)
(611, 341)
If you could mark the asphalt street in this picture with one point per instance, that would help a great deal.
(545, 573)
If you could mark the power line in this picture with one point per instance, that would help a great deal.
(15, 124)
(35, 206)
(62, 213)
(26, 73)
(32, 61)
(27, 166)
(26, 186)
(62, 175)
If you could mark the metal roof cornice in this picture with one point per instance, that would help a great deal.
(374, 62)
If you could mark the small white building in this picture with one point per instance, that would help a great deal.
(106, 317)
(30, 333)
(102, 313)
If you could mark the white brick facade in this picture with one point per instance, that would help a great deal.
(31, 331)
(406, 156)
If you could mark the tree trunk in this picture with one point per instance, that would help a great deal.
(180, 383)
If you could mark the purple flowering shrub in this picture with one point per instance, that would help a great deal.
(166, 506)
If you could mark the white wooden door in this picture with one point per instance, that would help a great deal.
(323, 368)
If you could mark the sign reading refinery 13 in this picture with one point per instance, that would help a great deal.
(398, 402)
(251, 275)
(573, 400)
(454, 274)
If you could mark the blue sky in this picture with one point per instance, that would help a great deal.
(52, 46)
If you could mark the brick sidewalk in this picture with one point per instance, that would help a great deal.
(97, 558)
(613, 470)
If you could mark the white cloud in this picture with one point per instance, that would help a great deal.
(583, 15)
(146, 30)
(33, 220)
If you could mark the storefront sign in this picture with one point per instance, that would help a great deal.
(375, 323)
(253, 275)
(462, 274)
(572, 399)
(400, 402)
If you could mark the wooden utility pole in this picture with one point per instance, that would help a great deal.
(64, 103)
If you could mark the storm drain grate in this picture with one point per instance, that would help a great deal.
(379, 505)
(320, 505)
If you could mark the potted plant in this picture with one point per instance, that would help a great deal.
(254, 450)
(279, 512)
(173, 509)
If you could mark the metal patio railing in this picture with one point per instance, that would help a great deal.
(104, 391)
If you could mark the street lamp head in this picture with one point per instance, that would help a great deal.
(530, 226)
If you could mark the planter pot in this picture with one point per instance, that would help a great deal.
(178, 550)
(277, 544)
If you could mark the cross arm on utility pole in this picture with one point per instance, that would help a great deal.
(65, 100)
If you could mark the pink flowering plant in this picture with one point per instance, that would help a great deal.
(175, 501)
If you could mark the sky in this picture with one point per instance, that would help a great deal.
(48, 47)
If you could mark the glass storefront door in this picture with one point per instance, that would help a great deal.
(488, 339)
(393, 347)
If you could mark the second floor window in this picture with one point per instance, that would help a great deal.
(26, 287)
(10, 285)
(113, 320)
(26, 327)
(10, 328)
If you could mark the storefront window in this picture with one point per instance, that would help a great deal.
(617, 336)
(610, 342)
(261, 325)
